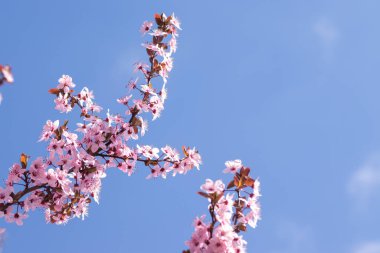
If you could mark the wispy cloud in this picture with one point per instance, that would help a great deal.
(295, 238)
(368, 247)
(2, 234)
(364, 183)
(326, 31)
(123, 67)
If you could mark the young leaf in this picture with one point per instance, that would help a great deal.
(24, 160)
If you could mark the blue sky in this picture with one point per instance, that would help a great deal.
(290, 87)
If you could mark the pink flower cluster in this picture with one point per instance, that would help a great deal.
(66, 181)
(69, 178)
(231, 209)
(5, 77)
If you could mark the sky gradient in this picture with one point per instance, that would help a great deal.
(289, 87)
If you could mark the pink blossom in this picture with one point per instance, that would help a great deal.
(173, 45)
(65, 83)
(85, 96)
(32, 202)
(199, 237)
(148, 151)
(232, 166)
(55, 147)
(71, 138)
(156, 106)
(37, 169)
(224, 209)
(6, 71)
(217, 244)
(174, 21)
(251, 218)
(124, 100)
(144, 126)
(170, 153)
(213, 187)
(164, 74)
(139, 66)
(256, 188)
(49, 129)
(132, 84)
(127, 167)
(158, 32)
(154, 47)
(148, 89)
(194, 157)
(164, 94)
(51, 178)
(185, 166)
(81, 210)
(94, 108)
(157, 171)
(7, 213)
(62, 104)
(17, 218)
(81, 128)
(145, 27)
(15, 173)
(5, 195)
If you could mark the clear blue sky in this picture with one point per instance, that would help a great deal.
(290, 87)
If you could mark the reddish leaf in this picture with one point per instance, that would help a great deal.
(249, 182)
(54, 91)
(167, 21)
(64, 126)
(218, 197)
(245, 171)
(231, 184)
(157, 17)
(203, 194)
(236, 181)
(184, 149)
(242, 227)
(135, 122)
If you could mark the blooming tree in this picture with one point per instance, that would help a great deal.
(69, 177)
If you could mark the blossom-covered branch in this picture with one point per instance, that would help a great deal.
(5, 77)
(69, 178)
(231, 209)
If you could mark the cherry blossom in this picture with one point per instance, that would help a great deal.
(213, 187)
(6, 76)
(174, 21)
(145, 27)
(5, 195)
(6, 73)
(231, 209)
(232, 166)
(69, 178)
(65, 83)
